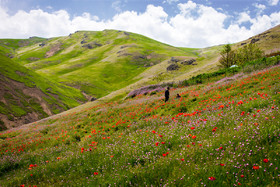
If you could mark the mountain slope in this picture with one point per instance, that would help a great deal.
(224, 132)
(26, 96)
(268, 41)
(98, 62)
(115, 62)
(112, 63)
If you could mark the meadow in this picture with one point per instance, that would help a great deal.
(221, 132)
(17, 103)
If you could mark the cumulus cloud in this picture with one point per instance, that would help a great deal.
(170, 1)
(273, 2)
(194, 25)
(117, 5)
(260, 7)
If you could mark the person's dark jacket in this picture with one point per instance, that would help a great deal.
(166, 95)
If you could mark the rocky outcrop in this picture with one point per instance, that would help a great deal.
(92, 45)
(172, 67)
(188, 62)
(146, 89)
(53, 50)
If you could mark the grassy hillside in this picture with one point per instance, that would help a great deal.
(267, 41)
(115, 62)
(107, 63)
(26, 96)
(98, 62)
(8, 46)
(224, 132)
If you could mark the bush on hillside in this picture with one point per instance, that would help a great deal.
(240, 56)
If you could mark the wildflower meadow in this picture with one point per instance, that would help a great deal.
(221, 133)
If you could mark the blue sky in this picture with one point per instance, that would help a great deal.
(184, 23)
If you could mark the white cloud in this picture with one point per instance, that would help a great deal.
(260, 7)
(243, 17)
(117, 5)
(194, 26)
(187, 9)
(273, 2)
(170, 1)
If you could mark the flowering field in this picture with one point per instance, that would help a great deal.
(224, 133)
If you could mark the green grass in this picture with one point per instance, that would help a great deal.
(19, 104)
(95, 70)
(221, 128)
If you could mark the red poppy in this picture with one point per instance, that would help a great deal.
(192, 128)
(256, 167)
(213, 130)
(164, 155)
(265, 160)
(162, 142)
(222, 164)
(211, 178)
(95, 173)
(157, 143)
(182, 159)
(221, 148)
(160, 136)
(193, 137)
(242, 176)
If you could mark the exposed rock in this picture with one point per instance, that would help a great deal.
(42, 44)
(129, 45)
(83, 41)
(243, 43)
(172, 67)
(89, 46)
(122, 53)
(274, 36)
(54, 49)
(146, 89)
(126, 33)
(19, 93)
(188, 62)
(173, 59)
(254, 40)
(93, 99)
(92, 45)
(148, 65)
(140, 56)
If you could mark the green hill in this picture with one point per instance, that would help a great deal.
(106, 64)
(223, 131)
(98, 62)
(26, 96)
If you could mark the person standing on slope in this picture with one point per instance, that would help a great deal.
(166, 94)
